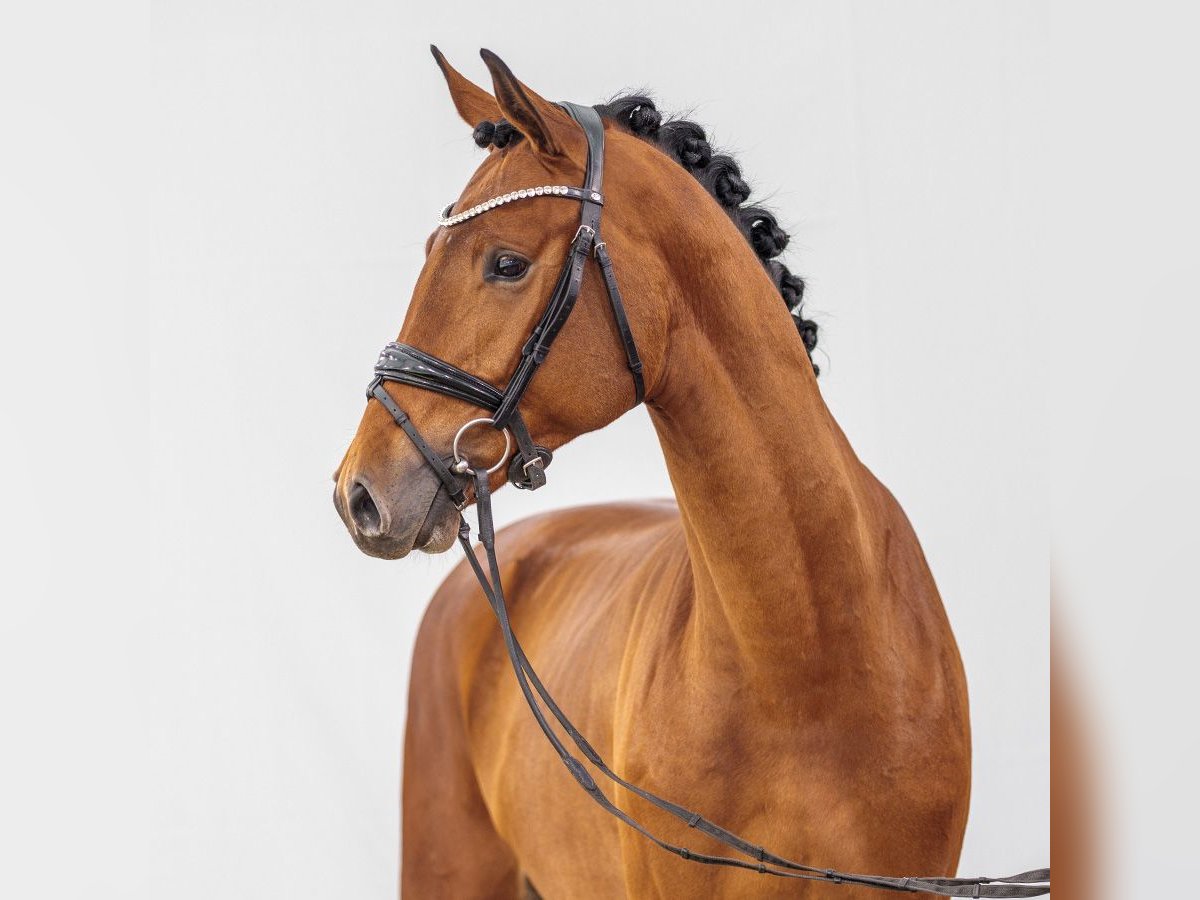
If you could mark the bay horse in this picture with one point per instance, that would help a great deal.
(770, 648)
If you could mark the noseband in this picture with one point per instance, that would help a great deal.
(405, 364)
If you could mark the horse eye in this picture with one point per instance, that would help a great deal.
(511, 267)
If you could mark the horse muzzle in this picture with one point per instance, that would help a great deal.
(389, 517)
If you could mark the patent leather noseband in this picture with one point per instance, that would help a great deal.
(404, 364)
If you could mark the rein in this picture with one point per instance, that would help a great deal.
(404, 364)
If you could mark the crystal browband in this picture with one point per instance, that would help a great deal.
(549, 190)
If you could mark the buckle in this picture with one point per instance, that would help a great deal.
(529, 474)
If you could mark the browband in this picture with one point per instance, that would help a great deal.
(549, 190)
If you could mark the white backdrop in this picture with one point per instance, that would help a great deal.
(235, 669)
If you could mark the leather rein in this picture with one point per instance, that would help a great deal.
(405, 364)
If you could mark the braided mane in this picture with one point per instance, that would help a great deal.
(685, 142)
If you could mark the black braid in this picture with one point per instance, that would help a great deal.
(505, 134)
(483, 133)
(496, 134)
(723, 178)
(687, 143)
(767, 238)
(791, 288)
(635, 113)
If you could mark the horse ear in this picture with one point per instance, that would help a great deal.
(473, 103)
(547, 127)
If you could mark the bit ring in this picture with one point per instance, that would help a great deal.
(462, 465)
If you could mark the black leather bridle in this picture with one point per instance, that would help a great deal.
(407, 365)
(404, 364)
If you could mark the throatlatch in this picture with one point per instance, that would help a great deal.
(404, 364)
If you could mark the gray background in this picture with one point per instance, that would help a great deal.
(216, 677)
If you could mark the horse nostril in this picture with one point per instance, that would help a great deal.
(363, 511)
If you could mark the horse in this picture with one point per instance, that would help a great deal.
(771, 647)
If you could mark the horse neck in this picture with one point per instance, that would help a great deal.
(775, 505)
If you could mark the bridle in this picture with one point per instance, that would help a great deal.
(405, 364)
